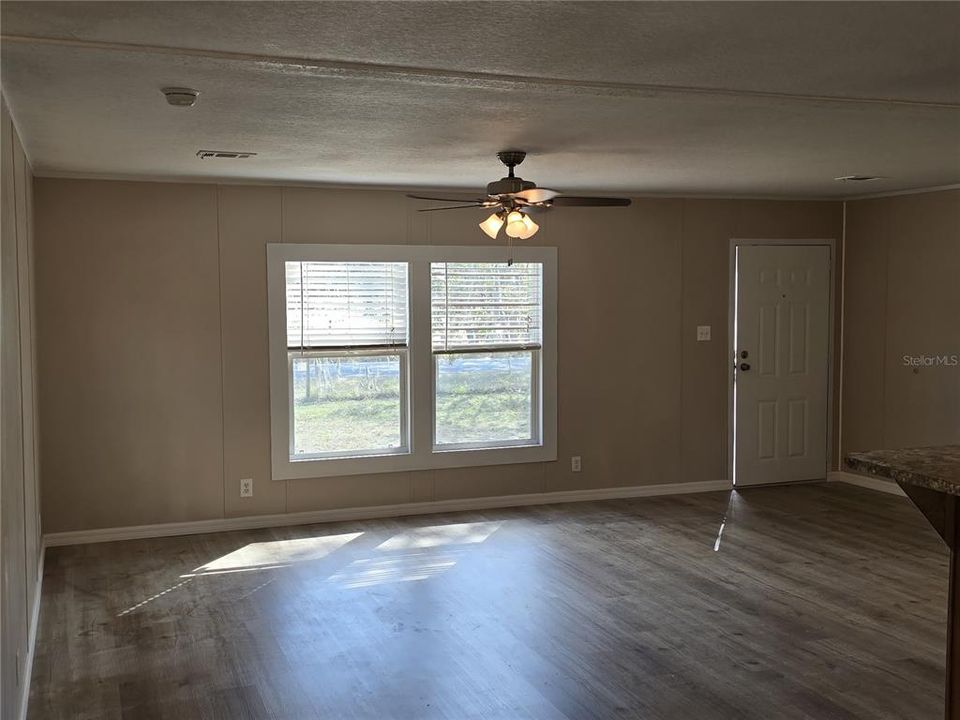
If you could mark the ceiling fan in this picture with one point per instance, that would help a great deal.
(513, 199)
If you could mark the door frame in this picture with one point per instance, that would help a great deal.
(731, 339)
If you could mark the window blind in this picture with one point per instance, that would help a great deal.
(477, 306)
(346, 304)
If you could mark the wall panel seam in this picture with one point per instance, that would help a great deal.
(223, 399)
(885, 299)
(683, 329)
(842, 315)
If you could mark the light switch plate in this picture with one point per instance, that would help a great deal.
(703, 333)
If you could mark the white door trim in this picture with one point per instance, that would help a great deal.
(732, 340)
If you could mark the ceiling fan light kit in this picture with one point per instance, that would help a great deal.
(491, 226)
(512, 199)
(520, 226)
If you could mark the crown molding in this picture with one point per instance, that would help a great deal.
(322, 67)
(468, 192)
(897, 193)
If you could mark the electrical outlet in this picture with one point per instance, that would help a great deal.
(703, 333)
(246, 487)
(575, 463)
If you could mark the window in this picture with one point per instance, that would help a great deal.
(387, 358)
(347, 358)
(486, 341)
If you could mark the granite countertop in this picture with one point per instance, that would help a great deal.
(935, 468)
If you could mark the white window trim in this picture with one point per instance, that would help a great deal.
(420, 361)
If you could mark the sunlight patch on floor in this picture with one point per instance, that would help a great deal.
(438, 535)
(400, 558)
(275, 554)
(395, 568)
(732, 503)
(152, 598)
(716, 545)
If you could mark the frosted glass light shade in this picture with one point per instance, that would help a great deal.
(521, 227)
(515, 225)
(530, 226)
(491, 226)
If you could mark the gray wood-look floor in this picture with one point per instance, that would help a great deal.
(815, 602)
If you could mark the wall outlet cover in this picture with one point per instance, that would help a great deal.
(246, 487)
(703, 333)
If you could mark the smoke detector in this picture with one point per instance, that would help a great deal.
(180, 97)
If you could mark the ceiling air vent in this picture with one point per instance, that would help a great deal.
(223, 154)
(858, 178)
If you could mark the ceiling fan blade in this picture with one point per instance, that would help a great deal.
(439, 199)
(450, 207)
(575, 201)
(535, 209)
(536, 195)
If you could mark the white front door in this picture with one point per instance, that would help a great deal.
(782, 346)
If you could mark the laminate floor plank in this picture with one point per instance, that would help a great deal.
(804, 602)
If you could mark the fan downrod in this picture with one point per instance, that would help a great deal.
(511, 158)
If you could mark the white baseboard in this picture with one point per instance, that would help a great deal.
(866, 481)
(32, 637)
(81, 537)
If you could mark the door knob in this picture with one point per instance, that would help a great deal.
(744, 354)
(744, 366)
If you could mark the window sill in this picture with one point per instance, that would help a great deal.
(286, 469)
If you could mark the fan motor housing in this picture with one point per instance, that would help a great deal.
(508, 185)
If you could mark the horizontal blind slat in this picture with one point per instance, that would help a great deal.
(486, 305)
(346, 304)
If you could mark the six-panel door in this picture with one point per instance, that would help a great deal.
(782, 360)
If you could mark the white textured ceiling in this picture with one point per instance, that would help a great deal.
(695, 98)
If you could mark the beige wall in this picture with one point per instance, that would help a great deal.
(153, 344)
(19, 497)
(901, 297)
